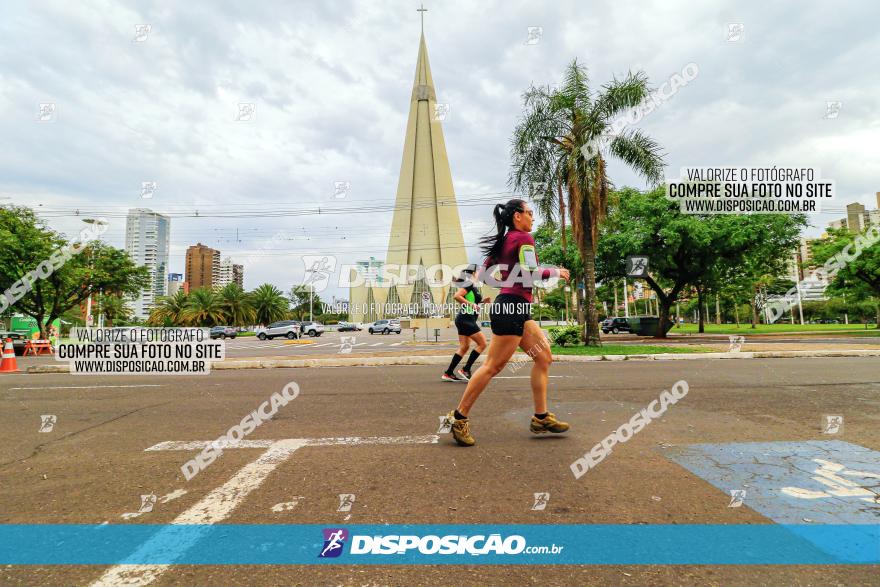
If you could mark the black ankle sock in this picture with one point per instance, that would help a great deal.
(456, 359)
(541, 416)
(470, 361)
(458, 416)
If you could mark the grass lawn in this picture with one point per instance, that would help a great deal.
(627, 349)
(775, 328)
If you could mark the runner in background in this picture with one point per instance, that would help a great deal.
(468, 295)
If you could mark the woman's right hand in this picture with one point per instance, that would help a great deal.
(563, 273)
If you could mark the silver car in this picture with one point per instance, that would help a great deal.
(285, 328)
(385, 327)
(312, 328)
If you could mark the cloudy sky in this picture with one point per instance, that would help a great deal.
(330, 84)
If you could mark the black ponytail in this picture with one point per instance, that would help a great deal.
(503, 213)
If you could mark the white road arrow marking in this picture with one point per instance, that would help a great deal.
(220, 503)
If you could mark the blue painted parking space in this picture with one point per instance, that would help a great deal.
(794, 483)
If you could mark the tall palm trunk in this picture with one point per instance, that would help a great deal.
(702, 327)
(754, 307)
(564, 244)
(584, 220)
(588, 254)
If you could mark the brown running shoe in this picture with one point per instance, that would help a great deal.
(548, 424)
(461, 430)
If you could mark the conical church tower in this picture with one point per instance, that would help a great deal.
(426, 228)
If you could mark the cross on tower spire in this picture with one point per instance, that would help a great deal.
(423, 10)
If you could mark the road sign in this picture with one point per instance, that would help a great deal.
(636, 266)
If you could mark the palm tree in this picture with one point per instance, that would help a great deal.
(169, 309)
(113, 307)
(204, 308)
(563, 139)
(268, 304)
(236, 305)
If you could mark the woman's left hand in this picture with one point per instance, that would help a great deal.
(563, 273)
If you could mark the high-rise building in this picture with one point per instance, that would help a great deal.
(202, 266)
(858, 219)
(370, 271)
(175, 283)
(147, 236)
(238, 275)
(228, 273)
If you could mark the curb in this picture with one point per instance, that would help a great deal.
(519, 357)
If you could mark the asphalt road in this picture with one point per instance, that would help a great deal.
(92, 467)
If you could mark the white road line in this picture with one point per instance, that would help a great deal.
(88, 386)
(396, 343)
(169, 544)
(214, 507)
(359, 440)
(324, 344)
(359, 344)
(267, 442)
(377, 344)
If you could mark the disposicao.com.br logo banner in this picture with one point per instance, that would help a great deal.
(418, 544)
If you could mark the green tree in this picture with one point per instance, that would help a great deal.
(852, 262)
(44, 275)
(687, 250)
(269, 304)
(302, 299)
(170, 310)
(550, 243)
(204, 307)
(236, 305)
(560, 141)
(113, 307)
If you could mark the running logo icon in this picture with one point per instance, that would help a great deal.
(736, 343)
(541, 501)
(47, 422)
(147, 503)
(832, 424)
(445, 425)
(334, 540)
(737, 496)
(346, 500)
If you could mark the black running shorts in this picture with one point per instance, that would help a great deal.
(509, 314)
(467, 324)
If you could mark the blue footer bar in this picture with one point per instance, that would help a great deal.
(413, 544)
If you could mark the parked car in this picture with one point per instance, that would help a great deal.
(384, 327)
(615, 325)
(18, 340)
(286, 328)
(223, 332)
(348, 327)
(312, 328)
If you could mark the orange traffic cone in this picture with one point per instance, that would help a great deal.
(8, 364)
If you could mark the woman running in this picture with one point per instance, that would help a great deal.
(468, 295)
(512, 249)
